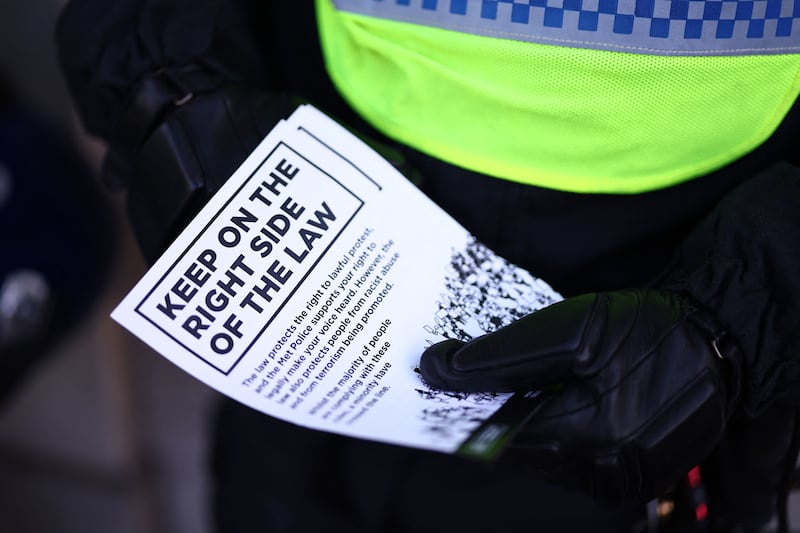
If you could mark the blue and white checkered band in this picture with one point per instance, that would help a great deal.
(661, 27)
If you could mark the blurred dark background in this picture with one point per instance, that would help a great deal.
(100, 434)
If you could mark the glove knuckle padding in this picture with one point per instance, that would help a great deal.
(650, 403)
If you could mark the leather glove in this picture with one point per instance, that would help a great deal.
(638, 387)
(179, 90)
(639, 384)
(178, 144)
(191, 145)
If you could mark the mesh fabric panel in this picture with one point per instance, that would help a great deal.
(571, 119)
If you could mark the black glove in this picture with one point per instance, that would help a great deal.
(179, 90)
(639, 385)
(195, 145)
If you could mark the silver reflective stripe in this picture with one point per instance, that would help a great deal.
(660, 27)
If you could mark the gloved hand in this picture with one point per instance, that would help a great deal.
(180, 91)
(639, 384)
(638, 387)
(191, 147)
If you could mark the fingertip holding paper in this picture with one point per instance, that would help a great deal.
(297, 291)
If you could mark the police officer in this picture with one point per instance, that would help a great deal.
(634, 154)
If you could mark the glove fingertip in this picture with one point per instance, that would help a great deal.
(435, 363)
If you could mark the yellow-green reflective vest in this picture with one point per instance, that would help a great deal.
(610, 96)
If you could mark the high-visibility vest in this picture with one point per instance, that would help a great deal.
(608, 96)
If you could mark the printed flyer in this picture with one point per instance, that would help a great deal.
(310, 284)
